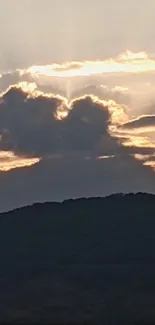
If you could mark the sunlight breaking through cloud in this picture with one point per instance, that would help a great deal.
(127, 62)
(53, 115)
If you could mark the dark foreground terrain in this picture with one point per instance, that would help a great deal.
(81, 261)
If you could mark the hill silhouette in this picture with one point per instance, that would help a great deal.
(80, 261)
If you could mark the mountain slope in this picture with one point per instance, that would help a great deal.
(86, 260)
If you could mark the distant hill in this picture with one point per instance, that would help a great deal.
(83, 261)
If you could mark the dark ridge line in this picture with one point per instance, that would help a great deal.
(80, 199)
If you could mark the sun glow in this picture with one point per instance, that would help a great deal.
(127, 62)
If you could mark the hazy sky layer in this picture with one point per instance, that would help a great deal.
(42, 32)
(77, 103)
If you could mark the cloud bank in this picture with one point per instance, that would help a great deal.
(54, 146)
(36, 124)
(145, 123)
(127, 62)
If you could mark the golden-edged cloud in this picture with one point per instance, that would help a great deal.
(135, 141)
(136, 132)
(127, 62)
(141, 124)
(35, 125)
(147, 160)
(8, 161)
(150, 163)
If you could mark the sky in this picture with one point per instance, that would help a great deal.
(77, 103)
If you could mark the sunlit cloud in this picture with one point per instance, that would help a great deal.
(127, 62)
(105, 157)
(28, 87)
(130, 56)
(46, 114)
(118, 112)
(8, 161)
(150, 163)
(136, 141)
(120, 89)
(147, 160)
(31, 91)
(141, 124)
(61, 113)
(143, 157)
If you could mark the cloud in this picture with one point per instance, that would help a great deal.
(52, 149)
(73, 175)
(148, 160)
(136, 141)
(102, 78)
(28, 123)
(150, 163)
(37, 124)
(127, 79)
(144, 123)
(117, 93)
(127, 62)
(11, 78)
(8, 161)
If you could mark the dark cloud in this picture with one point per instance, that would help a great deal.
(69, 151)
(29, 125)
(87, 124)
(145, 121)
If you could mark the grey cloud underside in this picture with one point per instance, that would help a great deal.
(29, 127)
(140, 122)
(69, 148)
